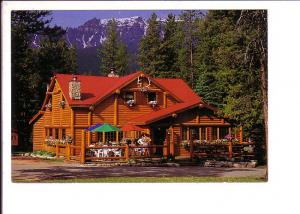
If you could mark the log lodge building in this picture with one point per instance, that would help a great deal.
(166, 109)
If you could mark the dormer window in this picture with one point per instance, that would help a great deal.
(129, 98)
(152, 97)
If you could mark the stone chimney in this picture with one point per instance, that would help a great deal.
(112, 72)
(74, 88)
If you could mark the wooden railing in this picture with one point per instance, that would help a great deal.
(222, 151)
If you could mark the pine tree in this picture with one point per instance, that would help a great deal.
(188, 36)
(150, 59)
(113, 53)
(33, 67)
(169, 47)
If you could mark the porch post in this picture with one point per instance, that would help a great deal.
(241, 134)
(191, 147)
(82, 157)
(230, 150)
(172, 147)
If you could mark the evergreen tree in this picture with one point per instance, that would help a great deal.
(169, 47)
(188, 35)
(150, 59)
(113, 53)
(225, 79)
(33, 67)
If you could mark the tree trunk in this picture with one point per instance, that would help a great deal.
(264, 89)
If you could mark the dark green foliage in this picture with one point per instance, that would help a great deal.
(113, 53)
(169, 49)
(188, 37)
(150, 59)
(225, 78)
(33, 67)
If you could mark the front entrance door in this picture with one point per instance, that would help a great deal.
(159, 136)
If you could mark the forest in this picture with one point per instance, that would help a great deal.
(222, 55)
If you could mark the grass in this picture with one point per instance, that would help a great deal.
(150, 180)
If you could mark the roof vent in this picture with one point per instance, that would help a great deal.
(74, 88)
(112, 72)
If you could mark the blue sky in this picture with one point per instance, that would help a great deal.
(74, 18)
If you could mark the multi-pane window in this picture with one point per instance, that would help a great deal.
(223, 131)
(63, 133)
(56, 133)
(194, 131)
(184, 133)
(214, 133)
(203, 133)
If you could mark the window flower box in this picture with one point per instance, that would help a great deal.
(130, 102)
(153, 103)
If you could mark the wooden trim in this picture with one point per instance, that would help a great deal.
(89, 125)
(188, 134)
(204, 124)
(116, 110)
(60, 110)
(165, 99)
(206, 133)
(241, 134)
(218, 133)
(72, 124)
(82, 153)
(200, 132)
(138, 89)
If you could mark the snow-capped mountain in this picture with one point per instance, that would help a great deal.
(93, 32)
(89, 36)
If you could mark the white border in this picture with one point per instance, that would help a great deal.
(274, 196)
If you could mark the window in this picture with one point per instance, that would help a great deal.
(194, 133)
(184, 133)
(151, 96)
(56, 133)
(110, 136)
(203, 133)
(63, 133)
(129, 96)
(214, 133)
(50, 133)
(223, 132)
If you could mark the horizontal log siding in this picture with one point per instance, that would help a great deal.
(170, 101)
(38, 134)
(47, 117)
(66, 115)
(104, 112)
(78, 139)
(127, 113)
(205, 119)
(80, 117)
(189, 116)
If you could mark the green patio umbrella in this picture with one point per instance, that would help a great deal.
(105, 127)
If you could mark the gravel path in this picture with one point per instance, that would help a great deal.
(36, 169)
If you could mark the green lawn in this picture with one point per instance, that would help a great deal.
(151, 180)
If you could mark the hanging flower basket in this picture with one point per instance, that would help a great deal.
(62, 104)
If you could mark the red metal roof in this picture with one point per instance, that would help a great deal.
(180, 88)
(163, 113)
(93, 88)
(96, 88)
